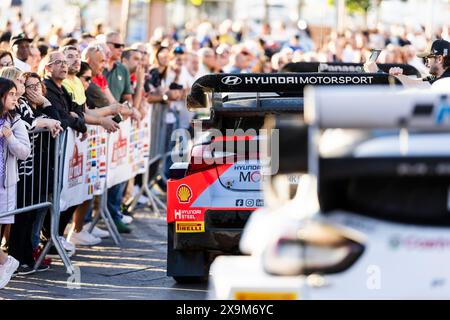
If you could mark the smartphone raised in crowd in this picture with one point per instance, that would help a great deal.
(118, 118)
(374, 55)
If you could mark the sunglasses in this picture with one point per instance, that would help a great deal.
(431, 56)
(117, 45)
(33, 86)
(87, 79)
(7, 64)
(58, 62)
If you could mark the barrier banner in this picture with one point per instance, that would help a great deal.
(140, 145)
(97, 157)
(103, 160)
(78, 170)
(119, 167)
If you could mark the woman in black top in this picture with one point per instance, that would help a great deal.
(35, 172)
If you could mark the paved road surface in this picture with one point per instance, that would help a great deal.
(135, 271)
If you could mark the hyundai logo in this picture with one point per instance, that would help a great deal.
(231, 80)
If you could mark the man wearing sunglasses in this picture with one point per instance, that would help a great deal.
(119, 83)
(437, 60)
(116, 73)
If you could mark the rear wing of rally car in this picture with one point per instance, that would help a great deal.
(368, 109)
(280, 92)
(328, 67)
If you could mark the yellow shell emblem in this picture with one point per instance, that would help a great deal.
(184, 193)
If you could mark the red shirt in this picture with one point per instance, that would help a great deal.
(133, 79)
(100, 80)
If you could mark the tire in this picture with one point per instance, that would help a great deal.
(185, 266)
(190, 280)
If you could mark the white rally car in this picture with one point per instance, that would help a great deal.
(370, 220)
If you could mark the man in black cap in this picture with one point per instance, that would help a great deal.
(20, 45)
(437, 60)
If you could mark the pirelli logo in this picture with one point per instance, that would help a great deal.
(189, 227)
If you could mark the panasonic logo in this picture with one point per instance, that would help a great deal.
(310, 80)
(231, 80)
(339, 68)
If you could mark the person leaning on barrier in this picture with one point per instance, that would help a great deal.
(33, 107)
(437, 60)
(117, 76)
(14, 145)
(32, 190)
(55, 71)
(39, 113)
(131, 59)
(98, 101)
(119, 82)
(95, 99)
(75, 87)
(18, 241)
(96, 56)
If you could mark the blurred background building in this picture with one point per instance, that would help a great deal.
(139, 19)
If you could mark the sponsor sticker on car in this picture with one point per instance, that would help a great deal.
(189, 227)
(188, 214)
(243, 295)
(184, 193)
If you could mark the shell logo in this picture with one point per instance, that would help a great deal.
(184, 193)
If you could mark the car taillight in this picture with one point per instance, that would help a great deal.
(202, 158)
(316, 248)
(218, 152)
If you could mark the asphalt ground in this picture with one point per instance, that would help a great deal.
(136, 270)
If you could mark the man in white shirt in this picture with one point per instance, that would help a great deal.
(208, 63)
(20, 46)
(187, 78)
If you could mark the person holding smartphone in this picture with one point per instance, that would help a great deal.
(437, 59)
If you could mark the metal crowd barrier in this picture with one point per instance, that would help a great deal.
(43, 196)
(39, 179)
(153, 173)
(158, 155)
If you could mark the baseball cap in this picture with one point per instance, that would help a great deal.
(438, 48)
(20, 37)
(5, 37)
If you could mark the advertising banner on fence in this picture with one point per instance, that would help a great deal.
(119, 168)
(98, 150)
(77, 186)
(140, 145)
(128, 151)
(103, 160)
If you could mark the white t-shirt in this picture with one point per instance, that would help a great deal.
(441, 85)
(22, 66)
(185, 116)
